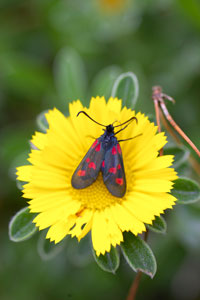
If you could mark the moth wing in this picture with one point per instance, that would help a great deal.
(88, 169)
(113, 171)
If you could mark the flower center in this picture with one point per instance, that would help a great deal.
(96, 196)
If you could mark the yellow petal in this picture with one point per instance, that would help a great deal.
(24, 173)
(39, 140)
(59, 230)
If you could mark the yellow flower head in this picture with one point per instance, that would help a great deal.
(112, 5)
(66, 210)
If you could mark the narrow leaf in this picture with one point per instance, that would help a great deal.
(180, 155)
(20, 184)
(104, 80)
(48, 250)
(159, 225)
(42, 121)
(21, 227)
(79, 251)
(126, 87)
(138, 254)
(186, 190)
(108, 262)
(70, 76)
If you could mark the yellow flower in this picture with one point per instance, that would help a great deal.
(112, 4)
(66, 210)
(113, 7)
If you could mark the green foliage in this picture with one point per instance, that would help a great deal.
(186, 191)
(192, 10)
(79, 252)
(20, 184)
(126, 87)
(24, 75)
(138, 254)
(48, 250)
(70, 76)
(180, 155)
(21, 226)
(103, 82)
(186, 226)
(108, 262)
(42, 121)
(82, 37)
(159, 225)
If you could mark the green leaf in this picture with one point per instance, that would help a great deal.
(185, 170)
(180, 155)
(79, 252)
(70, 76)
(186, 226)
(20, 184)
(186, 190)
(48, 250)
(104, 80)
(21, 227)
(42, 121)
(19, 160)
(138, 254)
(126, 87)
(108, 262)
(159, 225)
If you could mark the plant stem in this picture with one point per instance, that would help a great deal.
(134, 286)
(194, 163)
(177, 128)
(158, 99)
(157, 110)
(136, 281)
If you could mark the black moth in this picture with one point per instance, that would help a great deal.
(104, 155)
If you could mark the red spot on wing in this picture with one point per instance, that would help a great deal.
(94, 144)
(118, 166)
(114, 150)
(119, 181)
(98, 147)
(81, 173)
(103, 163)
(112, 170)
(92, 165)
(88, 160)
(119, 149)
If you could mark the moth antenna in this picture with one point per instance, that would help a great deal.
(130, 120)
(83, 112)
(115, 122)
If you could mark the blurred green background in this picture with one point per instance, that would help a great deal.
(55, 51)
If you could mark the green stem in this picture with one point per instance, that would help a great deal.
(136, 282)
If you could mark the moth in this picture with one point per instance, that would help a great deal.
(104, 155)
